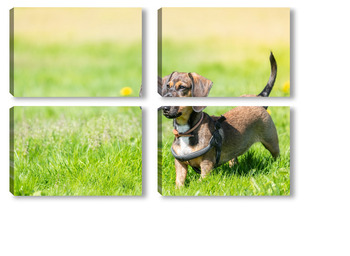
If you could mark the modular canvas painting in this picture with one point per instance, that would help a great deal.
(76, 151)
(223, 151)
(226, 48)
(75, 52)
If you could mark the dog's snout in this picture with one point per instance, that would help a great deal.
(166, 108)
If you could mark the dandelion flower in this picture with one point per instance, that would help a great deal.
(268, 111)
(126, 91)
(286, 87)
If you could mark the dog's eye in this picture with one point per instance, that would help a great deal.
(182, 87)
(168, 86)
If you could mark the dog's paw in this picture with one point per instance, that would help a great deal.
(232, 162)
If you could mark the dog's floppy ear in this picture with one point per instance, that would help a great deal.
(200, 85)
(165, 81)
(198, 108)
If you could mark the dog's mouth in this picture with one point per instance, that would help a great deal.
(172, 116)
(170, 113)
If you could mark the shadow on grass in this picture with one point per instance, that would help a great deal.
(250, 164)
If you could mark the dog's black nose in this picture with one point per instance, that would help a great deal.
(166, 108)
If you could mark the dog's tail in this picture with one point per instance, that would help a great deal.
(271, 82)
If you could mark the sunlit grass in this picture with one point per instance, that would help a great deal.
(76, 70)
(75, 151)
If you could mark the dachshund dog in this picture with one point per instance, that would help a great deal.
(205, 142)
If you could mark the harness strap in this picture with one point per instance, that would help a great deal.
(187, 133)
(218, 138)
(194, 154)
(215, 141)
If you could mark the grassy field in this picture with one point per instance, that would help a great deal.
(73, 151)
(232, 76)
(76, 52)
(231, 48)
(76, 70)
(257, 174)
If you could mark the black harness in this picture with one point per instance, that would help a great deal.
(215, 141)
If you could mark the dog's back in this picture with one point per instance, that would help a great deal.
(243, 127)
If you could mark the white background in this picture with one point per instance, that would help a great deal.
(314, 220)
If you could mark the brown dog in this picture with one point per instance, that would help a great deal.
(205, 142)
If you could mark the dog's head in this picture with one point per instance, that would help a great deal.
(184, 85)
(182, 112)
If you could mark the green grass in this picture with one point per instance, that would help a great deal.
(236, 68)
(256, 174)
(99, 69)
(73, 151)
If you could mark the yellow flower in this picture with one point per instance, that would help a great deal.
(286, 87)
(126, 91)
(268, 111)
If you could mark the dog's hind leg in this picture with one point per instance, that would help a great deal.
(271, 144)
(232, 162)
(269, 139)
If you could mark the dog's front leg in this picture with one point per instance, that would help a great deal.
(181, 173)
(206, 167)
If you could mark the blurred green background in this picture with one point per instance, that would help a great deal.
(74, 151)
(229, 46)
(77, 52)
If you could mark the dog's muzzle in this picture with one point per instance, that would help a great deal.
(169, 94)
(170, 112)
